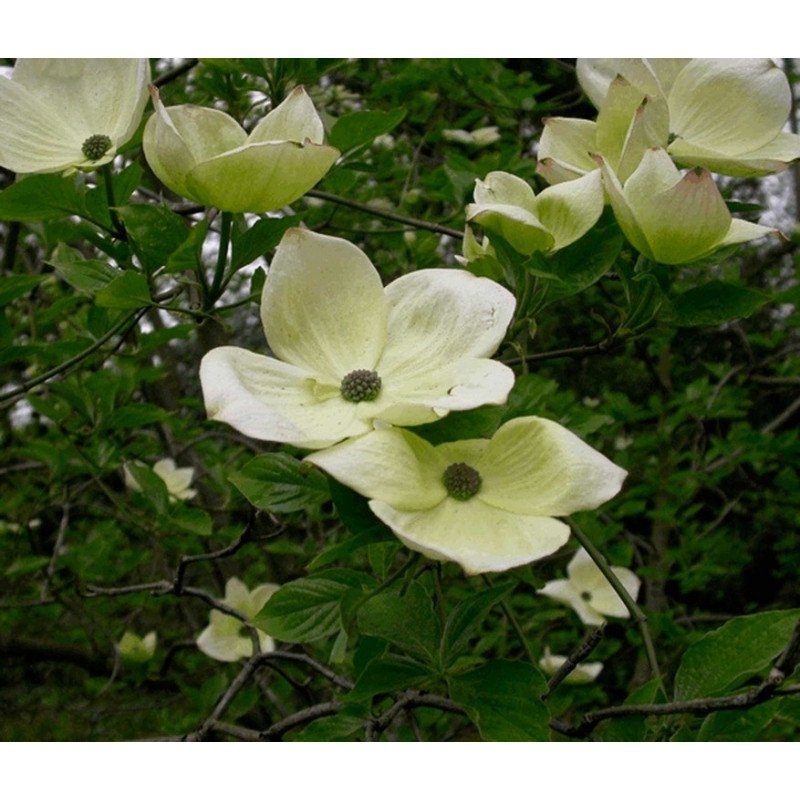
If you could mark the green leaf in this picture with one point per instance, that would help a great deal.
(188, 255)
(738, 726)
(26, 565)
(465, 619)
(128, 290)
(728, 656)
(85, 275)
(341, 727)
(259, 239)
(14, 286)
(137, 415)
(361, 127)
(405, 617)
(716, 302)
(152, 486)
(155, 232)
(583, 263)
(280, 483)
(503, 698)
(40, 197)
(389, 673)
(192, 520)
(310, 608)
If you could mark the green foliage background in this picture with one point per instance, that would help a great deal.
(686, 377)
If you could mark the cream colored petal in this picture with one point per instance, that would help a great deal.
(682, 222)
(294, 120)
(595, 76)
(568, 210)
(273, 401)
(323, 306)
(390, 465)
(565, 149)
(259, 596)
(584, 672)
(732, 105)
(773, 157)
(223, 645)
(622, 210)
(442, 325)
(503, 188)
(417, 394)
(237, 595)
(32, 136)
(176, 139)
(565, 592)
(476, 536)
(260, 177)
(519, 227)
(535, 466)
(91, 95)
(743, 231)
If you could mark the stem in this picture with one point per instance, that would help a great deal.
(622, 592)
(511, 617)
(379, 212)
(116, 222)
(125, 323)
(217, 284)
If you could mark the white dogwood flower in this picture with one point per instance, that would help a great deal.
(205, 155)
(487, 504)
(225, 638)
(351, 354)
(178, 480)
(69, 113)
(588, 591)
(584, 672)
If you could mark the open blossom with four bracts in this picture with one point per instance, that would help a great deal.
(226, 638)
(487, 504)
(205, 155)
(63, 114)
(351, 354)
(588, 591)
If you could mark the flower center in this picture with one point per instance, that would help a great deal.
(96, 146)
(360, 385)
(461, 481)
(586, 596)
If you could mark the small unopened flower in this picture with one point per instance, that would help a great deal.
(555, 218)
(588, 591)
(584, 672)
(353, 354)
(487, 504)
(63, 114)
(227, 637)
(205, 155)
(137, 649)
(480, 137)
(178, 480)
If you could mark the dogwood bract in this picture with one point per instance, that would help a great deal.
(225, 638)
(555, 218)
(69, 113)
(487, 504)
(674, 218)
(205, 155)
(353, 353)
(588, 591)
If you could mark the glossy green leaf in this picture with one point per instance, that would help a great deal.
(128, 290)
(404, 616)
(309, 608)
(38, 197)
(280, 483)
(723, 659)
(503, 698)
(361, 127)
(717, 302)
